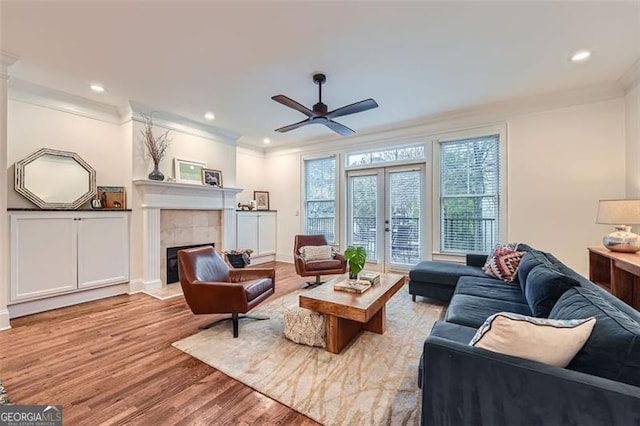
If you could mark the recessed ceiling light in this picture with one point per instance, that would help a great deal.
(581, 55)
(266, 140)
(209, 116)
(97, 88)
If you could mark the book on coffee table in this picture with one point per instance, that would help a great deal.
(352, 286)
(372, 277)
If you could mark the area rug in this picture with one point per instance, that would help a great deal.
(4, 398)
(373, 381)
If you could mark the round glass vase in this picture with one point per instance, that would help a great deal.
(156, 174)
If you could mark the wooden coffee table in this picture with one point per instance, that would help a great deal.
(349, 313)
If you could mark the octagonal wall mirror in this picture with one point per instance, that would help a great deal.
(53, 179)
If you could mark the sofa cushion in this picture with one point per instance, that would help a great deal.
(530, 260)
(544, 286)
(443, 272)
(472, 311)
(552, 342)
(503, 262)
(490, 288)
(613, 349)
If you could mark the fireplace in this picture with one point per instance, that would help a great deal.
(172, 260)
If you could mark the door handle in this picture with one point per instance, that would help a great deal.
(386, 229)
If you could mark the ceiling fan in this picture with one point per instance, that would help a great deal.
(319, 114)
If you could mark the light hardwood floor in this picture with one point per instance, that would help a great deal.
(111, 362)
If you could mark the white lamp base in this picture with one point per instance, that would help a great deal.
(622, 240)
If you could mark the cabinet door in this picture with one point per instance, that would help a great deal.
(266, 233)
(103, 250)
(247, 235)
(43, 257)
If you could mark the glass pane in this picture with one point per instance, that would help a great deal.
(364, 192)
(404, 197)
(413, 152)
(469, 187)
(320, 195)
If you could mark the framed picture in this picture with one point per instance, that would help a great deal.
(212, 177)
(262, 200)
(110, 197)
(187, 171)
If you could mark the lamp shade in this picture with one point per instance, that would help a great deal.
(619, 212)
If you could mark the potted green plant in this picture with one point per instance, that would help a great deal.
(356, 257)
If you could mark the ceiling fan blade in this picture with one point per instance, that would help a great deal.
(353, 108)
(293, 126)
(287, 101)
(341, 129)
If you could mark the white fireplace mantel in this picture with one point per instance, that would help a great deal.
(157, 195)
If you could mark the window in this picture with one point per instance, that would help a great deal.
(469, 194)
(320, 197)
(399, 154)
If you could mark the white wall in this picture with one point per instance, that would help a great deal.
(560, 163)
(632, 101)
(252, 174)
(31, 127)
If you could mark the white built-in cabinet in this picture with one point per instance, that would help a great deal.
(256, 230)
(60, 252)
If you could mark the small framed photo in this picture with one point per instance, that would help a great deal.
(262, 200)
(110, 197)
(187, 171)
(212, 177)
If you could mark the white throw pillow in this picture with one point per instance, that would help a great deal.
(309, 253)
(553, 342)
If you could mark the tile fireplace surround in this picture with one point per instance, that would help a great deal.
(156, 196)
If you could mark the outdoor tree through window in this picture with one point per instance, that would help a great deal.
(469, 194)
(320, 197)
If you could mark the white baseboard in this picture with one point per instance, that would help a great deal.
(136, 286)
(282, 257)
(4, 320)
(152, 285)
(54, 302)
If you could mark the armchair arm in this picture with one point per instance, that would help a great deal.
(464, 385)
(208, 297)
(237, 275)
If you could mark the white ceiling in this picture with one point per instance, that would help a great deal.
(416, 59)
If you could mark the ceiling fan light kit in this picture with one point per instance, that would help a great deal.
(320, 114)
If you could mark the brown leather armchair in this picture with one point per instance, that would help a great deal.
(210, 287)
(337, 265)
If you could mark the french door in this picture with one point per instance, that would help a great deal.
(385, 215)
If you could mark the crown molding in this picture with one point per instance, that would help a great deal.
(250, 150)
(31, 93)
(6, 60)
(459, 119)
(631, 78)
(180, 124)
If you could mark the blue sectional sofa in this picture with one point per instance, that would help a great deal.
(467, 385)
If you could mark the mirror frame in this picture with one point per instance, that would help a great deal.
(20, 180)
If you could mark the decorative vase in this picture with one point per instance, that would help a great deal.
(352, 275)
(156, 174)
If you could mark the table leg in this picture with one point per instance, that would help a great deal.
(377, 323)
(340, 332)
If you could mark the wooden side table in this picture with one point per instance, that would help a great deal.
(618, 273)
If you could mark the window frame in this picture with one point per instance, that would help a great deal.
(501, 132)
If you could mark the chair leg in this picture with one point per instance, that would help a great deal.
(234, 319)
(315, 283)
(413, 297)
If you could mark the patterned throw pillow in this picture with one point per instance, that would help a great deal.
(552, 342)
(309, 253)
(503, 262)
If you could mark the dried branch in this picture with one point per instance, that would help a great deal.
(156, 147)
